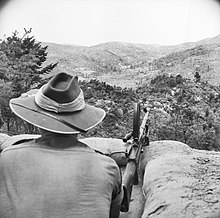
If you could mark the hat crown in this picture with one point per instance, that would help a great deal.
(58, 106)
(62, 88)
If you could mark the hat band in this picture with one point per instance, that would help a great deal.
(50, 105)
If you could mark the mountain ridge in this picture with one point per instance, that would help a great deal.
(113, 61)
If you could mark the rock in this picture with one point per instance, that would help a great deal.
(100, 103)
(119, 112)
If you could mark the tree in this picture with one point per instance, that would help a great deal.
(197, 77)
(21, 68)
(189, 111)
(25, 58)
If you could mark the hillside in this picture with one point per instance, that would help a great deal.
(103, 57)
(203, 58)
(181, 109)
(129, 65)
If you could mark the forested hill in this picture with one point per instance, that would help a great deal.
(203, 58)
(181, 109)
(119, 61)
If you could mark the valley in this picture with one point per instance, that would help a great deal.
(131, 65)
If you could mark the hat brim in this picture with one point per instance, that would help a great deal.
(28, 110)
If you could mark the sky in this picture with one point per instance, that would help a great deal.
(91, 22)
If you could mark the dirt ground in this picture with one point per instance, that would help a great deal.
(137, 203)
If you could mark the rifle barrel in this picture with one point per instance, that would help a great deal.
(143, 124)
(139, 134)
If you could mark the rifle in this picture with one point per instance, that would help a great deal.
(133, 152)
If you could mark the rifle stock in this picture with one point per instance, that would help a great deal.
(140, 139)
(128, 182)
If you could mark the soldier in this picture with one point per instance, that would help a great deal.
(56, 175)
